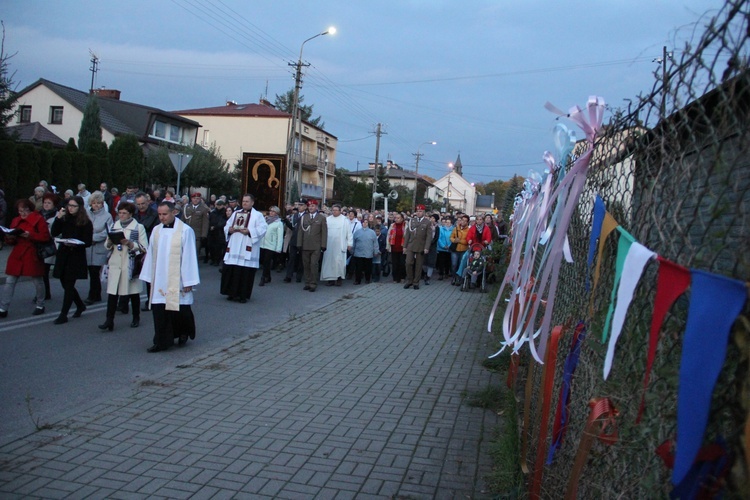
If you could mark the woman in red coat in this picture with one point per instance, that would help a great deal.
(23, 259)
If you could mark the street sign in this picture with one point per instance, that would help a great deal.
(180, 161)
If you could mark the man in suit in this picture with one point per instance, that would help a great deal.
(294, 264)
(417, 239)
(196, 215)
(312, 237)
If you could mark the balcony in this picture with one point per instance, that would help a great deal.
(312, 163)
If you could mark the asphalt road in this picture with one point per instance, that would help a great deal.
(48, 371)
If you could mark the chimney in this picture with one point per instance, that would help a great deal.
(108, 93)
(231, 103)
(266, 102)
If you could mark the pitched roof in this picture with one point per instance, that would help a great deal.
(250, 109)
(118, 117)
(391, 173)
(35, 133)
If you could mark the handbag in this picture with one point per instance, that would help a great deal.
(453, 247)
(46, 250)
(136, 264)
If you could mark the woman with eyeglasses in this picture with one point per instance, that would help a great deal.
(23, 259)
(97, 253)
(71, 223)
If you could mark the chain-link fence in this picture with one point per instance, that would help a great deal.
(674, 171)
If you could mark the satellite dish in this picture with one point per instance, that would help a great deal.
(393, 194)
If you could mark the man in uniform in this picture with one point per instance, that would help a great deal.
(196, 216)
(417, 239)
(294, 264)
(312, 238)
(171, 267)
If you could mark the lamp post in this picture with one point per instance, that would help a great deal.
(295, 119)
(416, 172)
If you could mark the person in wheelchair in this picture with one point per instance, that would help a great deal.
(476, 265)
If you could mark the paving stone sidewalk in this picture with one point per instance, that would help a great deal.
(363, 398)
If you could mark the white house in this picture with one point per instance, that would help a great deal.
(261, 128)
(459, 193)
(59, 109)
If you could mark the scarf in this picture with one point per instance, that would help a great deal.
(172, 293)
(270, 219)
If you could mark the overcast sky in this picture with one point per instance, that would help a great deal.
(472, 75)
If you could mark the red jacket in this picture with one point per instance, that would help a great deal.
(23, 259)
(486, 236)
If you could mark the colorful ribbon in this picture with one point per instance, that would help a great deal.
(623, 247)
(715, 303)
(563, 402)
(609, 224)
(635, 261)
(672, 282)
(602, 415)
(545, 396)
(596, 230)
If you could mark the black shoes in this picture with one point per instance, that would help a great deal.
(60, 320)
(79, 311)
(306, 287)
(408, 285)
(37, 311)
(242, 301)
(157, 348)
(135, 323)
(330, 283)
(3, 314)
(182, 340)
(287, 280)
(416, 287)
(145, 307)
(89, 302)
(107, 325)
(124, 309)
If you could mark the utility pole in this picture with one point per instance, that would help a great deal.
(94, 68)
(664, 85)
(296, 122)
(418, 155)
(378, 133)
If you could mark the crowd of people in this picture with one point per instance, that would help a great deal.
(154, 240)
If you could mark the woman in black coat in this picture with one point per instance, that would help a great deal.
(71, 221)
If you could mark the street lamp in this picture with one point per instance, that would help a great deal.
(295, 120)
(416, 172)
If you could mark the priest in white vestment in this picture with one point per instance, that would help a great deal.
(340, 241)
(244, 231)
(171, 267)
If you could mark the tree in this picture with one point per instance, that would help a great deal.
(91, 126)
(206, 169)
(7, 92)
(126, 161)
(62, 171)
(285, 103)
(383, 186)
(343, 186)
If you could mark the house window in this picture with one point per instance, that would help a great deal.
(160, 130)
(56, 115)
(24, 114)
(175, 133)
